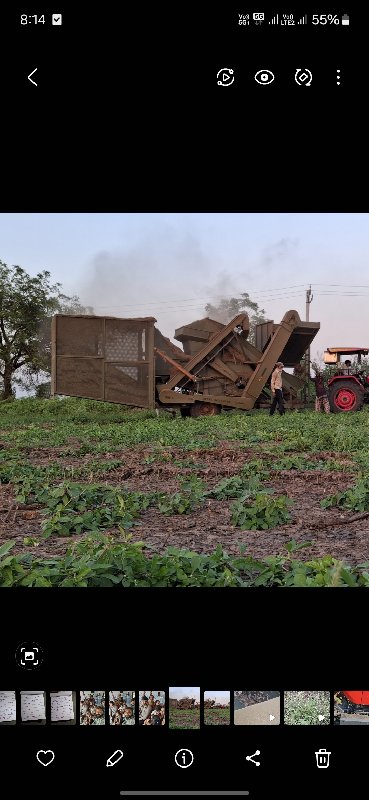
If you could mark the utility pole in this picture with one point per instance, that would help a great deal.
(309, 299)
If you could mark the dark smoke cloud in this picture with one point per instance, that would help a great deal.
(153, 278)
(279, 251)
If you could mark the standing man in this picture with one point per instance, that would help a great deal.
(321, 399)
(276, 386)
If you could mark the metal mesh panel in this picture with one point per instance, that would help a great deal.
(104, 358)
(80, 336)
(80, 377)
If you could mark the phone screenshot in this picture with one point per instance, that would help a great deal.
(184, 389)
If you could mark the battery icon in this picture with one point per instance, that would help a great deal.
(345, 19)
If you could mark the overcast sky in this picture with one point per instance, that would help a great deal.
(177, 692)
(170, 265)
(219, 696)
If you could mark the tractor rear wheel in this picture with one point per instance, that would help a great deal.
(204, 409)
(345, 396)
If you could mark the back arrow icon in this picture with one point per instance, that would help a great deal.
(30, 77)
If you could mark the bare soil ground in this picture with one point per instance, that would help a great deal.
(259, 713)
(331, 531)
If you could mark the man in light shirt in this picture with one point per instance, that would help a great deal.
(276, 387)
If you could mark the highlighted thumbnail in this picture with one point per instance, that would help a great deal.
(122, 707)
(307, 708)
(151, 707)
(33, 707)
(63, 708)
(8, 708)
(184, 708)
(257, 707)
(217, 708)
(92, 708)
(351, 708)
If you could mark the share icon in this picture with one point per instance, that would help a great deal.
(251, 758)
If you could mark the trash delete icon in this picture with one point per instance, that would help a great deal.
(322, 758)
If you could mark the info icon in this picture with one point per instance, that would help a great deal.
(29, 655)
(184, 758)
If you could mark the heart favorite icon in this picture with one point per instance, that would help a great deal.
(45, 757)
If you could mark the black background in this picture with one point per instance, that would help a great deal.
(130, 118)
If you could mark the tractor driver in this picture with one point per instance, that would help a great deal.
(346, 370)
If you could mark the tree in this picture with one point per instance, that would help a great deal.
(26, 307)
(229, 308)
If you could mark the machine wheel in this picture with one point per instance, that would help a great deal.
(345, 396)
(204, 409)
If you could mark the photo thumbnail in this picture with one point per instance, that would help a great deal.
(151, 707)
(217, 707)
(33, 707)
(92, 708)
(122, 707)
(8, 708)
(307, 708)
(256, 707)
(351, 708)
(63, 708)
(184, 708)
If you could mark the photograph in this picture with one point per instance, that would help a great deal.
(151, 707)
(122, 707)
(8, 708)
(33, 707)
(62, 708)
(184, 708)
(307, 708)
(217, 707)
(351, 708)
(92, 708)
(164, 374)
(256, 707)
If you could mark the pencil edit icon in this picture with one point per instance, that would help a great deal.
(114, 758)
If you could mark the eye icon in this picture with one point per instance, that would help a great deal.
(264, 76)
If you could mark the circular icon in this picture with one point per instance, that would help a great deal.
(183, 758)
(29, 655)
(303, 77)
(264, 76)
(225, 76)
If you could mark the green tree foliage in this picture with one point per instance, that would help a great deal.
(226, 309)
(27, 305)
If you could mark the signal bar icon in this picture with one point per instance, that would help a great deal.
(274, 21)
(303, 20)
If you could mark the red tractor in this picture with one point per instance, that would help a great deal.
(349, 386)
(350, 703)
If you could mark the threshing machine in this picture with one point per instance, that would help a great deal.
(129, 361)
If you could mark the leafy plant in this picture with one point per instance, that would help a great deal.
(306, 708)
(236, 486)
(103, 560)
(260, 513)
(355, 499)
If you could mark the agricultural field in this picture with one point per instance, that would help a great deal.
(216, 716)
(188, 719)
(96, 494)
